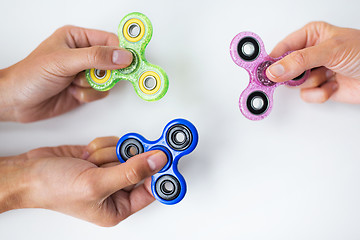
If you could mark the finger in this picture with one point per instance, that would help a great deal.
(110, 164)
(317, 77)
(295, 41)
(307, 36)
(127, 203)
(299, 61)
(132, 172)
(103, 156)
(72, 61)
(74, 151)
(86, 95)
(80, 80)
(61, 103)
(348, 91)
(129, 188)
(147, 185)
(320, 94)
(99, 143)
(77, 37)
(141, 197)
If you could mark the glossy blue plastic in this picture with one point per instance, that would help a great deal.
(173, 147)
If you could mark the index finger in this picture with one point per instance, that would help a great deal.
(305, 37)
(77, 37)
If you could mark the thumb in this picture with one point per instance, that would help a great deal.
(131, 172)
(297, 62)
(101, 57)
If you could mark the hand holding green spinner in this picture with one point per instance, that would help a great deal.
(149, 81)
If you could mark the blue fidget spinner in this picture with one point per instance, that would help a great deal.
(179, 138)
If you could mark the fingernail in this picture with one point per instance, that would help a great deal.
(276, 70)
(85, 155)
(72, 89)
(335, 86)
(157, 161)
(329, 74)
(122, 57)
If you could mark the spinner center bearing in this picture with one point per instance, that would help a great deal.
(261, 74)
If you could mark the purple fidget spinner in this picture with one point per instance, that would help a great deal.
(247, 50)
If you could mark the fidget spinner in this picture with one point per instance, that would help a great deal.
(179, 138)
(149, 81)
(247, 50)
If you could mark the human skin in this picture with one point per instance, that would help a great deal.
(86, 182)
(333, 51)
(51, 80)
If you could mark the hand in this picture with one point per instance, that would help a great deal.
(333, 51)
(51, 80)
(85, 182)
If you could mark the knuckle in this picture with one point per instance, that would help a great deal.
(323, 97)
(304, 96)
(37, 152)
(338, 47)
(312, 97)
(94, 157)
(132, 176)
(94, 55)
(299, 58)
(92, 189)
(316, 25)
(337, 42)
(94, 143)
(115, 138)
(322, 25)
(58, 67)
(65, 28)
(108, 222)
(310, 24)
(101, 142)
(309, 84)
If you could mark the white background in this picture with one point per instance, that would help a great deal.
(294, 175)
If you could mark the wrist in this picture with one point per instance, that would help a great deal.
(14, 183)
(6, 106)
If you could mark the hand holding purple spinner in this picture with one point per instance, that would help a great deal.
(247, 50)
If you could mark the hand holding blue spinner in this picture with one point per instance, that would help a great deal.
(179, 138)
(149, 81)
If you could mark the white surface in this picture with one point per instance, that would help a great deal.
(294, 175)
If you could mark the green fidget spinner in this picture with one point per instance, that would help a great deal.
(149, 81)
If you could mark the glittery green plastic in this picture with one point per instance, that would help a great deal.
(139, 65)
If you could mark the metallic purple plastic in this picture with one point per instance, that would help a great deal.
(259, 84)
